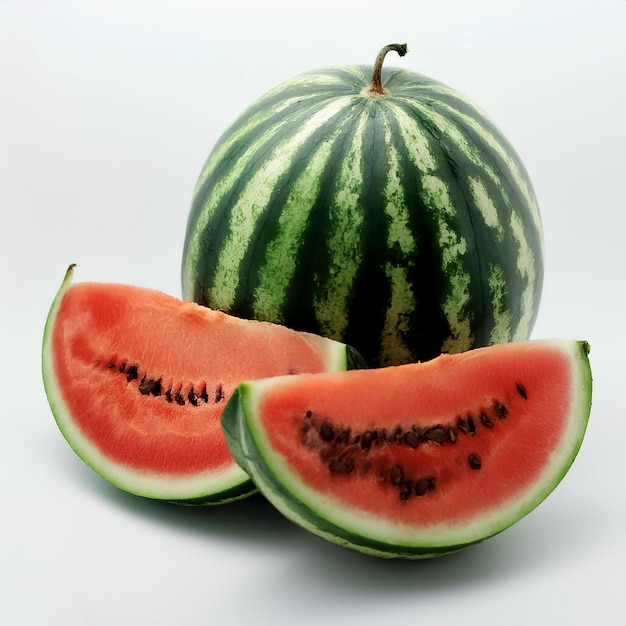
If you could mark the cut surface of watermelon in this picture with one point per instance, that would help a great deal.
(421, 459)
(137, 381)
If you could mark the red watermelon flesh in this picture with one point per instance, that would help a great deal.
(137, 381)
(418, 459)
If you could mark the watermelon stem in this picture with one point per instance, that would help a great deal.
(376, 89)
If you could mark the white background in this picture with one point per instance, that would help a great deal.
(107, 113)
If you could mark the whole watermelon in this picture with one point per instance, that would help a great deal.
(371, 205)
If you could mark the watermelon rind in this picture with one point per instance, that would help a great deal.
(319, 514)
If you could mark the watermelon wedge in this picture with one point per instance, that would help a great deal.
(416, 460)
(137, 381)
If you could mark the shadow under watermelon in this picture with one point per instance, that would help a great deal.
(535, 542)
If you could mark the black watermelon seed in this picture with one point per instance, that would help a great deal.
(168, 395)
(462, 426)
(327, 432)
(406, 489)
(149, 386)
(486, 421)
(179, 398)
(500, 410)
(145, 386)
(424, 485)
(474, 461)
(366, 439)
(219, 394)
(436, 434)
(471, 426)
(522, 391)
(308, 415)
(132, 373)
(204, 396)
(122, 368)
(397, 474)
(155, 390)
(412, 439)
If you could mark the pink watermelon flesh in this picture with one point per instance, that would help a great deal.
(138, 379)
(423, 456)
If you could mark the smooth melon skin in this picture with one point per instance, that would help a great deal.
(403, 224)
(114, 358)
(546, 386)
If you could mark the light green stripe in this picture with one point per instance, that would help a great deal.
(355, 71)
(452, 248)
(526, 268)
(447, 126)
(416, 142)
(234, 174)
(243, 127)
(502, 318)
(245, 124)
(313, 81)
(517, 175)
(526, 262)
(393, 348)
(332, 298)
(485, 206)
(223, 186)
(400, 236)
(282, 252)
(526, 256)
(253, 200)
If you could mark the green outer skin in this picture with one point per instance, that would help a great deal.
(404, 225)
(237, 489)
(240, 426)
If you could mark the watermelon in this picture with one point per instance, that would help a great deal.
(416, 460)
(137, 381)
(371, 205)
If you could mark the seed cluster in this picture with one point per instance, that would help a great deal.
(407, 487)
(346, 452)
(174, 394)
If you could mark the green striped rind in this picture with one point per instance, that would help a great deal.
(404, 225)
(321, 515)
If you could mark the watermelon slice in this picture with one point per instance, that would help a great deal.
(137, 381)
(416, 460)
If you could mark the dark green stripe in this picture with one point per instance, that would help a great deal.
(218, 227)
